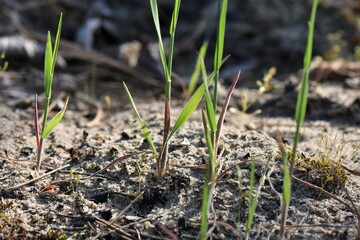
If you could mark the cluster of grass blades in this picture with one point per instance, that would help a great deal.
(190, 106)
(212, 128)
(49, 67)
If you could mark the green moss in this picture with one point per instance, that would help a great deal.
(54, 234)
(323, 172)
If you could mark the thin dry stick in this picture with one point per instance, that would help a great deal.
(356, 211)
(111, 222)
(231, 228)
(318, 225)
(323, 191)
(167, 231)
(126, 208)
(38, 178)
(124, 235)
(114, 162)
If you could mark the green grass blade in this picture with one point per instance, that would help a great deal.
(195, 76)
(286, 191)
(219, 48)
(175, 16)
(48, 67)
(211, 164)
(220, 34)
(56, 45)
(155, 14)
(36, 123)
(144, 128)
(287, 176)
(54, 121)
(211, 117)
(287, 180)
(304, 88)
(173, 24)
(204, 209)
(191, 105)
(252, 203)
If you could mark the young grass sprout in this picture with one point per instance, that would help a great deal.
(299, 119)
(49, 67)
(190, 106)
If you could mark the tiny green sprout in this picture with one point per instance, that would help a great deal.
(49, 67)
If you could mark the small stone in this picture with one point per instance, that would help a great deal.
(148, 224)
(221, 236)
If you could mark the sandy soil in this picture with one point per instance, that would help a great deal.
(81, 207)
(127, 201)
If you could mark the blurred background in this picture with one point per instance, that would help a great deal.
(104, 42)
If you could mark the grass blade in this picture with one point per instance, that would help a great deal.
(211, 117)
(56, 45)
(36, 124)
(175, 16)
(252, 204)
(144, 128)
(286, 191)
(195, 76)
(224, 109)
(302, 99)
(219, 49)
(191, 105)
(221, 34)
(204, 211)
(173, 25)
(54, 121)
(304, 87)
(155, 14)
(211, 164)
(48, 67)
(162, 161)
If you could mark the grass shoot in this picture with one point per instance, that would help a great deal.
(190, 106)
(167, 67)
(299, 119)
(144, 128)
(212, 131)
(304, 87)
(49, 67)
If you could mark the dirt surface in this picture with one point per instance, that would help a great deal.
(127, 200)
(81, 204)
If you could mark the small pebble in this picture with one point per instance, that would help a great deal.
(221, 236)
(148, 224)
